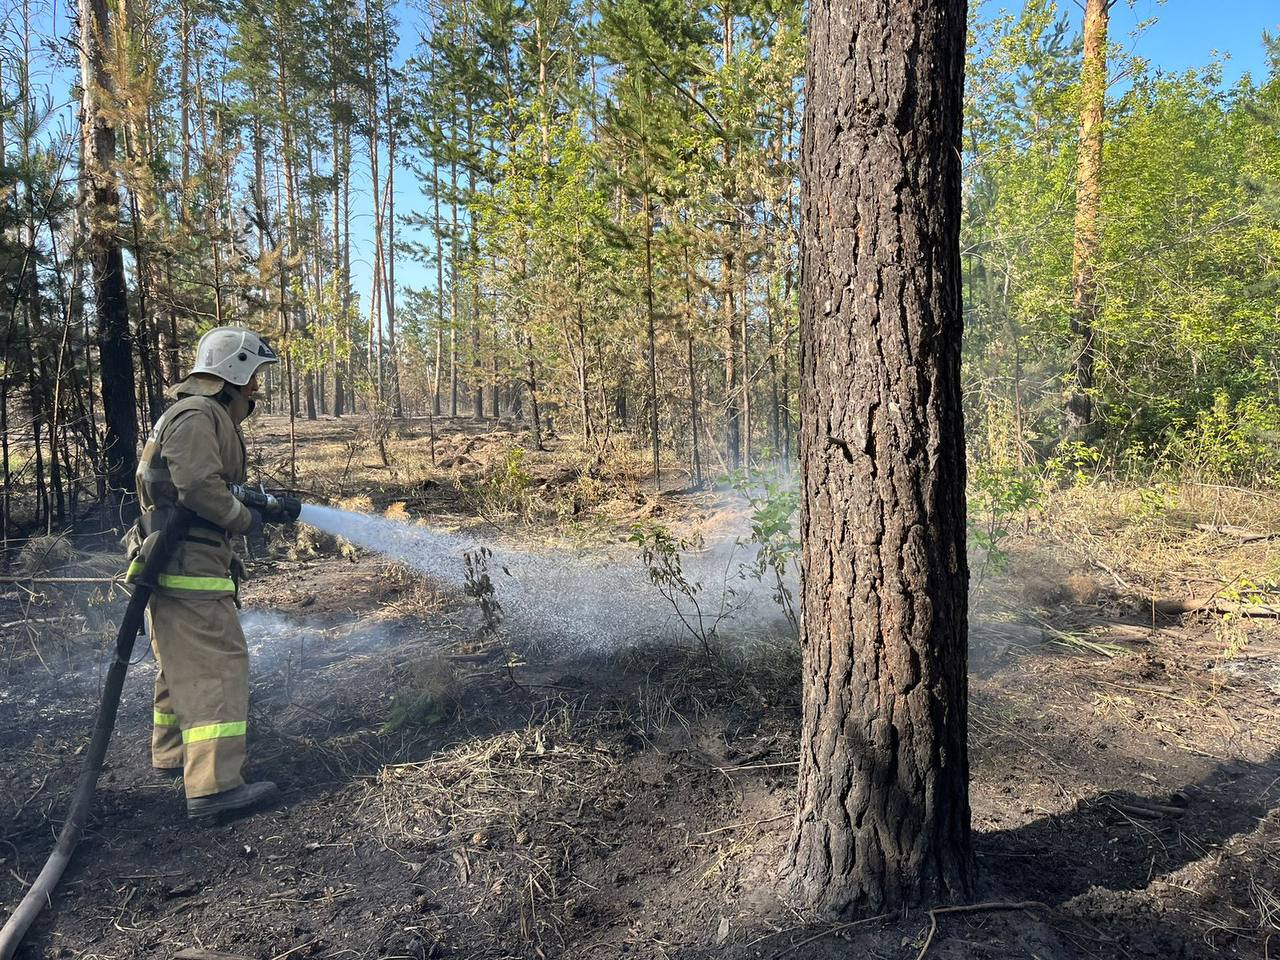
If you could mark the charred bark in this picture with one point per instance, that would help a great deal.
(882, 818)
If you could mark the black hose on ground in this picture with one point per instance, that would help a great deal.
(41, 891)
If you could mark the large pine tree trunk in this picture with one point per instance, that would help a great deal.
(883, 811)
(115, 339)
(1084, 285)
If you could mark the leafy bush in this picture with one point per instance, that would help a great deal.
(1230, 442)
(509, 489)
(660, 552)
(996, 496)
(773, 511)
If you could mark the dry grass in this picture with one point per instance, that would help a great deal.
(501, 811)
(66, 612)
(477, 790)
(1165, 540)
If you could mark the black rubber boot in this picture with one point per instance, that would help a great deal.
(167, 773)
(243, 797)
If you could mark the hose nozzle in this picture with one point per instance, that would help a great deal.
(274, 507)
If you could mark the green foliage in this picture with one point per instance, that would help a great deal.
(997, 495)
(509, 488)
(431, 695)
(773, 509)
(1230, 442)
(478, 585)
(660, 554)
(1073, 462)
(1187, 273)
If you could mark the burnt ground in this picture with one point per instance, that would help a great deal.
(450, 795)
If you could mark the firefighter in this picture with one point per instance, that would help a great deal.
(202, 685)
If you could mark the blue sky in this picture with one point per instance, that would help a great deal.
(1187, 33)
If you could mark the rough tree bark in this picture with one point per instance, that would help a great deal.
(115, 339)
(1084, 285)
(882, 819)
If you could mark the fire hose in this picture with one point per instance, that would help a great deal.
(41, 891)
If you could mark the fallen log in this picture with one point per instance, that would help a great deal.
(1243, 534)
(1178, 608)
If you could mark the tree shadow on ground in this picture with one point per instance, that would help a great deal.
(1098, 868)
(1092, 860)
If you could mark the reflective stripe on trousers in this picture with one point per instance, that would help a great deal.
(214, 731)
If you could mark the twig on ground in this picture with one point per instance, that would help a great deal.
(757, 766)
(46, 620)
(745, 823)
(829, 932)
(24, 580)
(1242, 534)
(973, 908)
(35, 793)
(1174, 608)
(301, 946)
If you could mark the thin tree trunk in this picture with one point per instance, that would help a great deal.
(291, 250)
(693, 415)
(453, 267)
(339, 278)
(115, 339)
(439, 359)
(584, 385)
(6, 377)
(531, 380)
(653, 340)
(495, 410)
(1084, 285)
(882, 818)
(732, 373)
(775, 426)
(397, 405)
(473, 247)
(347, 333)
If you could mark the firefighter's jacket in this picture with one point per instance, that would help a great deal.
(193, 452)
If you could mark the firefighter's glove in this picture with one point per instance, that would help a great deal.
(281, 509)
(255, 524)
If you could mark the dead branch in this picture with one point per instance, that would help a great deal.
(829, 932)
(973, 908)
(43, 580)
(1243, 534)
(1177, 608)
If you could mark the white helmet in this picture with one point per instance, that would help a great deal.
(232, 353)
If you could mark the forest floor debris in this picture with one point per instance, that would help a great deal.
(1125, 767)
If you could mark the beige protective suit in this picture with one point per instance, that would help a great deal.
(202, 687)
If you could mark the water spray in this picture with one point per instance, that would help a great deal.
(578, 604)
(583, 606)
